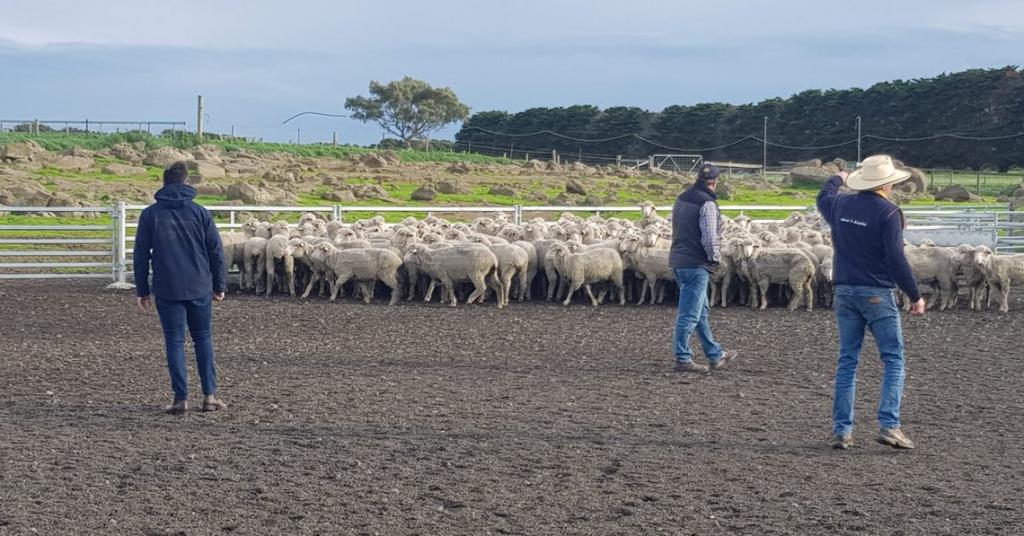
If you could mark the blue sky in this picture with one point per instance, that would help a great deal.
(258, 62)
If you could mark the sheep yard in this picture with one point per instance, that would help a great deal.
(347, 418)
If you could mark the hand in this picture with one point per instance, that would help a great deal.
(218, 296)
(918, 308)
(144, 303)
(843, 175)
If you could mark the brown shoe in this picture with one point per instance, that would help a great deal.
(211, 403)
(724, 359)
(842, 442)
(177, 408)
(895, 438)
(689, 366)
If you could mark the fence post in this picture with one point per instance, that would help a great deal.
(120, 258)
(554, 156)
(517, 215)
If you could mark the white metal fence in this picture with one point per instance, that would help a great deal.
(56, 250)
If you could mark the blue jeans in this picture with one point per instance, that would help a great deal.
(875, 308)
(693, 313)
(197, 315)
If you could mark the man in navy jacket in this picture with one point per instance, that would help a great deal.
(869, 263)
(179, 239)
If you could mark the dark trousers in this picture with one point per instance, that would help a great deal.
(197, 315)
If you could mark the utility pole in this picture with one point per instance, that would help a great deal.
(764, 149)
(858, 139)
(199, 119)
(298, 136)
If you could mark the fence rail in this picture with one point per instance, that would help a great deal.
(978, 224)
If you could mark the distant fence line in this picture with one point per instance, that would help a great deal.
(103, 250)
(95, 125)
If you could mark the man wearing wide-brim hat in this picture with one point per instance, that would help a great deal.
(869, 263)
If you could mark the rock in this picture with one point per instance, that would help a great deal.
(22, 151)
(810, 174)
(251, 195)
(451, 187)
(537, 196)
(564, 199)
(812, 163)
(1004, 199)
(1017, 203)
(206, 170)
(139, 146)
(165, 156)
(901, 197)
(391, 157)
(954, 192)
(581, 168)
(1018, 193)
(207, 152)
(502, 190)
(73, 163)
(574, 186)
(917, 183)
(246, 168)
(423, 193)
(62, 199)
(340, 196)
(373, 161)
(535, 165)
(461, 167)
(725, 191)
(26, 194)
(79, 151)
(369, 191)
(126, 152)
(209, 188)
(11, 173)
(554, 166)
(592, 200)
(123, 170)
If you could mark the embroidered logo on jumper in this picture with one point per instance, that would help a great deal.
(853, 221)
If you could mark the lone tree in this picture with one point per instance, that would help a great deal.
(408, 108)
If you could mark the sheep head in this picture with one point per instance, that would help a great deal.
(280, 229)
(983, 256)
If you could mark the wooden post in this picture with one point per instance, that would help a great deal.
(618, 160)
(199, 119)
(554, 156)
(977, 187)
(511, 150)
(334, 138)
(579, 155)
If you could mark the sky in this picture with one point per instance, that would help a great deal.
(259, 62)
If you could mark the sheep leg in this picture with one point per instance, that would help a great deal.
(506, 286)
(316, 277)
(643, 293)
(261, 275)
(763, 286)
(289, 274)
(524, 284)
(1004, 287)
(590, 294)
(810, 296)
(552, 282)
(726, 284)
(573, 287)
(430, 291)
(339, 283)
(449, 287)
(479, 288)
(714, 293)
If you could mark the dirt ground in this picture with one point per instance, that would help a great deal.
(362, 419)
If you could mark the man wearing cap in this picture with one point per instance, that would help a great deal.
(695, 252)
(869, 263)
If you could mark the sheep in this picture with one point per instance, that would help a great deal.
(974, 278)
(512, 262)
(1000, 271)
(279, 250)
(253, 266)
(588, 267)
(933, 265)
(781, 266)
(651, 263)
(525, 291)
(467, 262)
(362, 265)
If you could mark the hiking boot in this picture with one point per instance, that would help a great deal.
(211, 403)
(724, 359)
(689, 366)
(895, 438)
(842, 442)
(177, 408)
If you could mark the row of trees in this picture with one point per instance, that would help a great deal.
(973, 103)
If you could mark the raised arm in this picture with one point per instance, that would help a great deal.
(827, 196)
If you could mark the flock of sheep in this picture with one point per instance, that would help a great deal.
(493, 258)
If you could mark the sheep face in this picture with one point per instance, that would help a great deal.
(250, 227)
(983, 256)
(280, 229)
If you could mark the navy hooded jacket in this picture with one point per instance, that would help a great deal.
(181, 241)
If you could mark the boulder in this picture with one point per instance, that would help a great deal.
(26, 194)
(77, 150)
(581, 169)
(564, 200)
(369, 191)
(391, 157)
(725, 191)
(207, 152)
(1018, 193)
(1017, 204)
(124, 170)
(62, 199)
(954, 192)
(917, 183)
(340, 196)
(26, 151)
(537, 196)
(209, 188)
(451, 187)
(812, 174)
(593, 200)
(502, 190)
(73, 163)
(165, 156)
(555, 166)
(252, 195)
(574, 186)
(535, 165)
(373, 161)
(206, 170)
(461, 167)
(424, 193)
(812, 163)
(126, 152)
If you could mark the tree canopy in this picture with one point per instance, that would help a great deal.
(976, 103)
(408, 109)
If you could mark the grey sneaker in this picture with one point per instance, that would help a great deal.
(895, 438)
(842, 442)
(177, 408)
(724, 359)
(689, 366)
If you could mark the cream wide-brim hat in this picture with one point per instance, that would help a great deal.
(875, 172)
